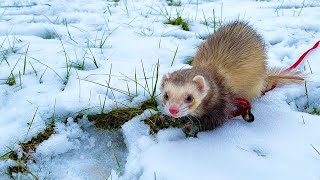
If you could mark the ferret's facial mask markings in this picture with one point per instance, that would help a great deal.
(179, 100)
(175, 109)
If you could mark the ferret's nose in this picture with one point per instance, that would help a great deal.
(174, 110)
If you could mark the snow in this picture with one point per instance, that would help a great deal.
(277, 145)
(79, 153)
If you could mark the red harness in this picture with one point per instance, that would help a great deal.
(243, 105)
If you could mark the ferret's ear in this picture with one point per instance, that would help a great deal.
(201, 83)
(165, 77)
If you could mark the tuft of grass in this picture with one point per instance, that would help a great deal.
(80, 63)
(179, 21)
(26, 148)
(32, 145)
(212, 21)
(11, 81)
(149, 104)
(315, 111)
(159, 121)
(189, 61)
(114, 119)
(155, 78)
(13, 48)
(103, 40)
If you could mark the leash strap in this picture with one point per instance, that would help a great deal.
(295, 65)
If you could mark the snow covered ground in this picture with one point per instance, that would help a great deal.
(54, 52)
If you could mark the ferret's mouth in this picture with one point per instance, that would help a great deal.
(175, 116)
(179, 115)
(182, 111)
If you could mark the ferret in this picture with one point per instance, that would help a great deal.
(230, 63)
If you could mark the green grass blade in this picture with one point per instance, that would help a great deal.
(145, 78)
(25, 61)
(174, 56)
(30, 124)
(93, 59)
(116, 158)
(34, 70)
(157, 78)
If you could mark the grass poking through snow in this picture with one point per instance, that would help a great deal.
(31, 145)
(189, 61)
(114, 119)
(179, 21)
(315, 111)
(23, 155)
(26, 149)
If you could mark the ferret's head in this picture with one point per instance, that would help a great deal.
(182, 93)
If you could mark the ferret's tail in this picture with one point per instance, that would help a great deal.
(279, 76)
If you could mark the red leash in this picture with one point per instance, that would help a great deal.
(243, 105)
(303, 56)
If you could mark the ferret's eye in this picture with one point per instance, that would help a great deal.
(189, 99)
(166, 97)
